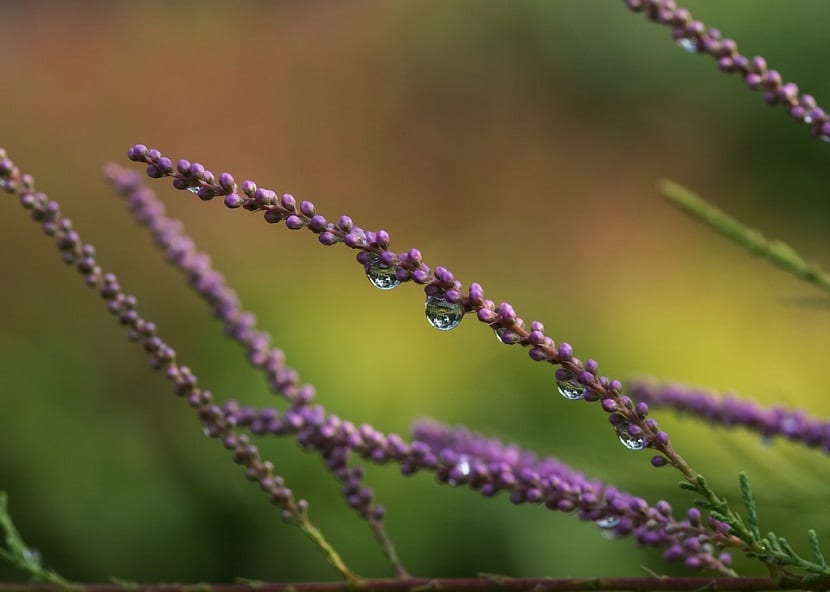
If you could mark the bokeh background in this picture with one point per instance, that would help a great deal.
(518, 144)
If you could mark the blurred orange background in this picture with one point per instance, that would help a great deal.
(518, 144)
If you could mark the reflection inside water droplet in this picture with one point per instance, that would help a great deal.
(629, 441)
(382, 276)
(687, 44)
(570, 389)
(443, 314)
(608, 522)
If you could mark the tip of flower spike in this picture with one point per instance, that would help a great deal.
(137, 152)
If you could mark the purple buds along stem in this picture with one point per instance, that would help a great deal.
(447, 301)
(694, 37)
(730, 411)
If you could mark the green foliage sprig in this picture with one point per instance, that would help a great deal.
(20, 555)
(776, 252)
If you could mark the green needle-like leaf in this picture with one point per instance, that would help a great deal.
(816, 549)
(749, 504)
(776, 252)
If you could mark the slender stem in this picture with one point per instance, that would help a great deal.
(388, 549)
(776, 252)
(332, 555)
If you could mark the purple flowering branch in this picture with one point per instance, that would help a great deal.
(693, 36)
(162, 356)
(446, 299)
(240, 325)
(456, 456)
(732, 411)
(446, 305)
(459, 457)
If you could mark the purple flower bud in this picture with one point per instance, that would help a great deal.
(476, 294)
(307, 208)
(294, 222)
(249, 188)
(420, 276)
(288, 203)
(328, 238)
(693, 516)
(137, 152)
(317, 224)
(227, 182)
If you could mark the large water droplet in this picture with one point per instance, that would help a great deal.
(443, 314)
(608, 522)
(629, 441)
(687, 44)
(570, 389)
(382, 276)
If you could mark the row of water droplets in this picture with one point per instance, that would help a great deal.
(445, 315)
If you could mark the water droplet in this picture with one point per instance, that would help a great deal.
(687, 44)
(463, 466)
(506, 336)
(629, 441)
(194, 189)
(570, 389)
(443, 314)
(382, 276)
(808, 119)
(31, 557)
(608, 522)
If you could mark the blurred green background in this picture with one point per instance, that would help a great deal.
(518, 144)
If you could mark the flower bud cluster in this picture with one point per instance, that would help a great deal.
(695, 37)
(459, 457)
(630, 422)
(731, 411)
(180, 250)
(161, 356)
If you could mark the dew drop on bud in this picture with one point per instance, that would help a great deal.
(443, 314)
(629, 441)
(570, 388)
(687, 44)
(382, 276)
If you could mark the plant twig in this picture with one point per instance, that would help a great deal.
(776, 252)
(478, 584)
